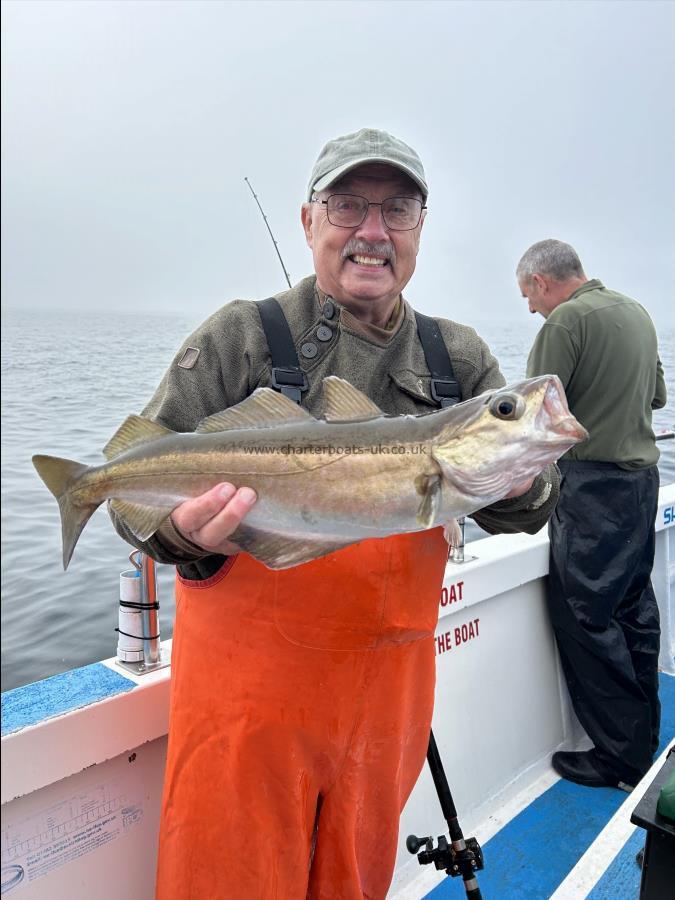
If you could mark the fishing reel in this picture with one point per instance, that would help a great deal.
(463, 857)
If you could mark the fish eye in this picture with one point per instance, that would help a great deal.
(507, 406)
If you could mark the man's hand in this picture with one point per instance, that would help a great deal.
(519, 489)
(210, 519)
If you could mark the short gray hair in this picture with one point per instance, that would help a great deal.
(550, 257)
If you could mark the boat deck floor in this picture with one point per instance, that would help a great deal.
(570, 842)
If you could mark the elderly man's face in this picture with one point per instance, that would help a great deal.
(367, 266)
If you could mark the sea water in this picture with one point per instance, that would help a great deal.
(68, 381)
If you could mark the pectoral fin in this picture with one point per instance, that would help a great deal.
(430, 487)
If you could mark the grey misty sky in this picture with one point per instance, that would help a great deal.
(128, 128)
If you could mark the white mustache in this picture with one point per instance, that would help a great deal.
(382, 249)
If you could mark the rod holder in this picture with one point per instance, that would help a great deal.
(152, 650)
(139, 647)
(457, 555)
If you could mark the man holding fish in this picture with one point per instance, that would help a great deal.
(308, 582)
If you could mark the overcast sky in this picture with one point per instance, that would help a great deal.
(128, 128)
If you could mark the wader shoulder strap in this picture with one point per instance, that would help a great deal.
(287, 376)
(445, 388)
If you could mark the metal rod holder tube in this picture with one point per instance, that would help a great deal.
(457, 553)
(150, 613)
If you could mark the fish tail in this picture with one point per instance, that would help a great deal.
(60, 475)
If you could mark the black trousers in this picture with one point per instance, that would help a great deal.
(604, 611)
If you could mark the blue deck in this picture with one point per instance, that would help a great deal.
(531, 856)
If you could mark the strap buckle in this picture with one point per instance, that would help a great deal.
(445, 391)
(290, 382)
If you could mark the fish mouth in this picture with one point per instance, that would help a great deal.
(555, 414)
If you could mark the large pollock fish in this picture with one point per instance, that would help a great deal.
(322, 484)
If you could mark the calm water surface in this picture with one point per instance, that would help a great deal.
(67, 384)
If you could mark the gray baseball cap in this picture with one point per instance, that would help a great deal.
(369, 145)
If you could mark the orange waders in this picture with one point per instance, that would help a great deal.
(301, 705)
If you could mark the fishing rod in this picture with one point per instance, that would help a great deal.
(462, 856)
(276, 246)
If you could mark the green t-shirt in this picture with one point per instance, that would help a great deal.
(603, 347)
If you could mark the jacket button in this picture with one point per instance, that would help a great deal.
(324, 333)
(309, 350)
(329, 309)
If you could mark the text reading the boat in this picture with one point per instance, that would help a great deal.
(457, 636)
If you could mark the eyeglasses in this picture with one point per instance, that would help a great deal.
(350, 211)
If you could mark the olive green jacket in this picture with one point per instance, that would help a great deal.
(603, 347)
(227, 358)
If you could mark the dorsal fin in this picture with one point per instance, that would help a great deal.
(133, 431)
(344, 403)
(265, 408)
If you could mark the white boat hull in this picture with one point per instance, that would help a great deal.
(81, 790)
